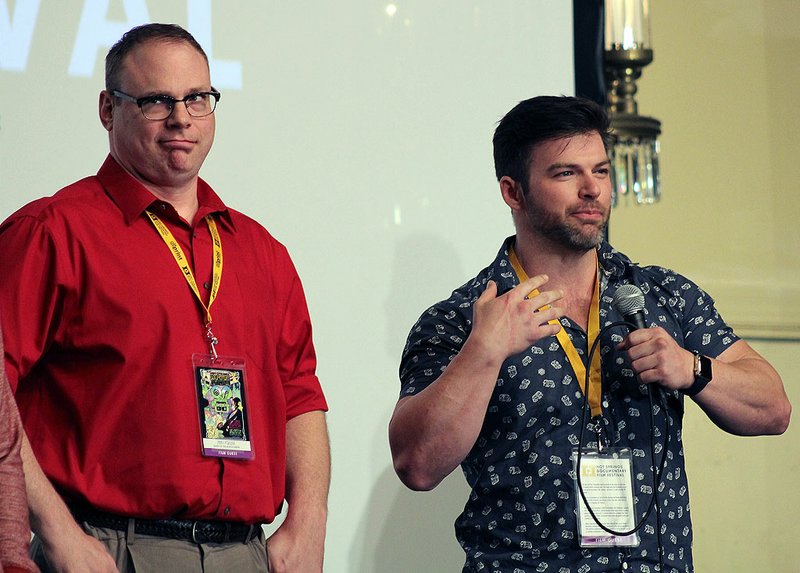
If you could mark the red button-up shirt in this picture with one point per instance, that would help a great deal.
(100, 329)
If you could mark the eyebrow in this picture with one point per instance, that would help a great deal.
(188, 93)
(575, 166)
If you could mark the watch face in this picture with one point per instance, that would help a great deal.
(705, 368)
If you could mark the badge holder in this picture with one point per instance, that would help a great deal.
(607, 481)
(223, 407)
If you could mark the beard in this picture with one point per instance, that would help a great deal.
(565, 232)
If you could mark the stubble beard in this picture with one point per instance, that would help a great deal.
(559, 230)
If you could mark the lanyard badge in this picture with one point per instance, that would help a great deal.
(223, 407)
(604, 492)
(219, 380)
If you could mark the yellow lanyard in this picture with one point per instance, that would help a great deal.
(595, 384)
(183, 264)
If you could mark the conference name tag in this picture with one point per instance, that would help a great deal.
(222, 404)
(606, 479)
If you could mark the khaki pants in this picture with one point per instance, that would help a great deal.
(135, 553)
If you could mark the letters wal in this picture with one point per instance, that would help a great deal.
(96, 34)
(16, 33)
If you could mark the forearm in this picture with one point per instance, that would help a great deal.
(49, 516)
(746, 395)
(298, 546)
(67, 548)
(432, 432)
(307, 468)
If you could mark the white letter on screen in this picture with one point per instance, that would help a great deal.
(224, 73)
(16, 33)
(95, 32)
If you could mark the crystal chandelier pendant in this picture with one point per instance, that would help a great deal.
(635, 148)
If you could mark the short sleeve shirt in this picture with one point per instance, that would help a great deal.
(101, 327)
(520, 516)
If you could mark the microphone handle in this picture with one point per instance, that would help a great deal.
(636, 318)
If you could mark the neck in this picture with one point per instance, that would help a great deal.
(183, 200)
(565, 267)
(181, 193)
(574, 272)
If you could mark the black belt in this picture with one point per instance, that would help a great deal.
(194, 531)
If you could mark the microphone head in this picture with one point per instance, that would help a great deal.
(628, 300)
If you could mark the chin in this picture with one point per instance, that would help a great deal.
(587, 241)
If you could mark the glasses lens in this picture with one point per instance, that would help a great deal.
(157, 108)
(200, 105)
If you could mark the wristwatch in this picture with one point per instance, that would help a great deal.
(702, 374)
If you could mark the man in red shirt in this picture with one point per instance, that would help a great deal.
(144, 313)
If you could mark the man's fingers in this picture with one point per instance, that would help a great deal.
(543, 298)
(526, 287)
(489, 293)
(543, 318)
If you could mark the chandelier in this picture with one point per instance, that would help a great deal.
(635, 148)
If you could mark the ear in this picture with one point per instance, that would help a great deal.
(512, 193)
(106, 110)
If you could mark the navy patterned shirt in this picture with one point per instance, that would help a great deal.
(521, 514)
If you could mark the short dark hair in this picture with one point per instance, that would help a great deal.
(539, 119)
(140, 35)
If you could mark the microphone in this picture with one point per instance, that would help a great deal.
(629, 302)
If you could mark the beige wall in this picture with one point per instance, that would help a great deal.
(724, 83)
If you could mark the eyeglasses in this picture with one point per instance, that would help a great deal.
(158, 107)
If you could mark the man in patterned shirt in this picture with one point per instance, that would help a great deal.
(493, 377)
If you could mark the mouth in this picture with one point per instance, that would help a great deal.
(177, 144)
(589, 215)
(589, 212)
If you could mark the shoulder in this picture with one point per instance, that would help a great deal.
(75, 206)
(251, 232)
(73, 199)
(674, 302)
(259, 258)
(671, 287)
(654, 280)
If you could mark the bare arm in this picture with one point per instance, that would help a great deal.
(432, 432)
(298, 545)
(745, 397)
(67, 547)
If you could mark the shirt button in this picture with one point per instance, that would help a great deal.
(206, 286)
(227, 510)
(163, 206)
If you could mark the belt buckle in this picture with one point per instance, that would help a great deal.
(194, 533)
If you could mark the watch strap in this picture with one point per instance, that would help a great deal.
(702, 375)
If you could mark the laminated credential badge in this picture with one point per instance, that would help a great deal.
(606, 479)
(222, 404)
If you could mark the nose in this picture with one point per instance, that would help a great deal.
(180, 115)
(590, 187)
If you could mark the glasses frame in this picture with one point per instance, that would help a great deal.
(140, 101)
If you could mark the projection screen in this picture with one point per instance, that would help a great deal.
(359, 133)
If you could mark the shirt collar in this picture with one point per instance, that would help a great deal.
(612, 264)
(132, 198)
